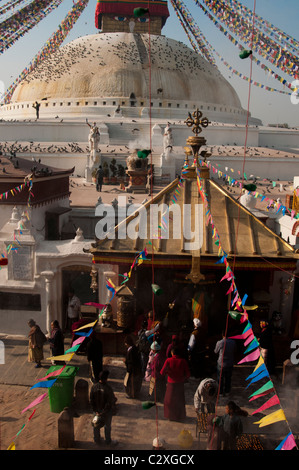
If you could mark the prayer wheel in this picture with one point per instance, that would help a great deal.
(125, 317)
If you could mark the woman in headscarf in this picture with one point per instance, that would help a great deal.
(36, 342)
(157, 381)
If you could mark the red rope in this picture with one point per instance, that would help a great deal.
(151, 186)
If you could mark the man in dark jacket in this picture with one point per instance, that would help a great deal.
(102, 400)
(100, 176)
(95, 355)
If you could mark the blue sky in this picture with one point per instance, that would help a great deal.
(271, 107)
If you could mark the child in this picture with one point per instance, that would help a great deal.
(231, 426)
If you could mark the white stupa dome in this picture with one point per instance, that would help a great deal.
(111, 69)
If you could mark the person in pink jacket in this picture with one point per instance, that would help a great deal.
(177, 370)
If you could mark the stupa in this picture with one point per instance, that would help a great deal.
(109, 72)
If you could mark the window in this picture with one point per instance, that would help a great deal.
(11, 301)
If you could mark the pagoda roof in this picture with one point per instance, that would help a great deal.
(241, 233)
(16, 168)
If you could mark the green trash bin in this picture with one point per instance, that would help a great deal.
(62, 391)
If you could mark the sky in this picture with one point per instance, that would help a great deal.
(270, 107)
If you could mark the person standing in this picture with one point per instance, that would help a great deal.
(226, 349)
(73, 310)
(36, 341)
(157, 381)
(177, 371)
(205, 396)
(143, 346)
(56, 339)
(103, 401)
(133, 378)
(196, 350)
(266, 346)
(36, 106)
(95, 355)
(100, 176)
(231, 426)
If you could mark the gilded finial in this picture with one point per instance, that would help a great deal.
(196, 121)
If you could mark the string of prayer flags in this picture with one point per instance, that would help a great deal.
(18, 24)
(260, 372)
(12, 446)
(51, 45)
(257, 46)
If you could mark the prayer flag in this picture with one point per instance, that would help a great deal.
(263, 374)
(254, 344)
(271, 402)
(257, 371)
(35, 402)
(271, 418)
(288, 443)
(265, 388)
(54, 373)
(89, 325)
(63, 357)
(251, 357)
(44, 384)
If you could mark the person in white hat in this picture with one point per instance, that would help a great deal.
(154, 348)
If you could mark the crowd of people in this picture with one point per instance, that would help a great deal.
(165, 364)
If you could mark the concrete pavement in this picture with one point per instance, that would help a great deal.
(134, 427)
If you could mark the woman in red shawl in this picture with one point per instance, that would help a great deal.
(177, 371)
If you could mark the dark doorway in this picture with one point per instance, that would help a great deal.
(77, 278)
(133, 100)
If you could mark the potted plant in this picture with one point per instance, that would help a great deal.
(113, 169)
(105, 173)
